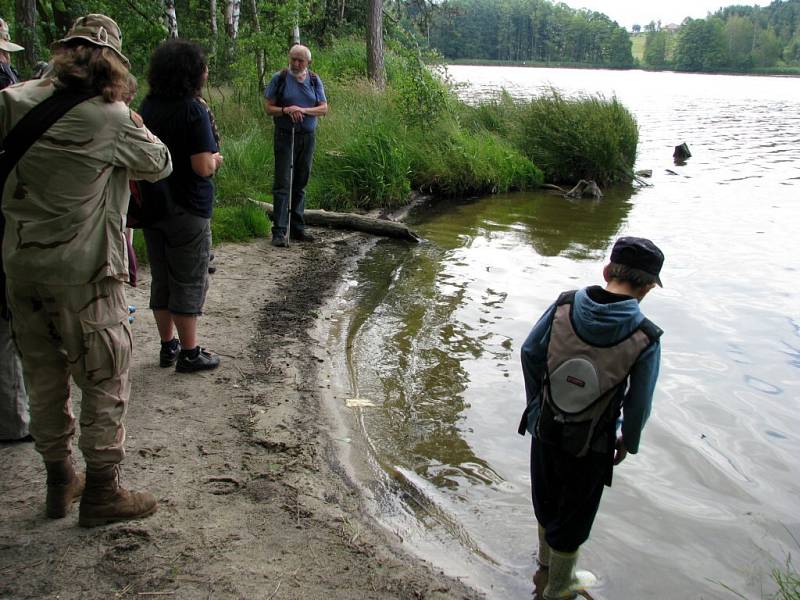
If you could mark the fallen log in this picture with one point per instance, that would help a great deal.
(352, 222)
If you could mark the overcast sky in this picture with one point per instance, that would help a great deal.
(629, 12)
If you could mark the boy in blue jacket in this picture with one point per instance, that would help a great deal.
(589, 363)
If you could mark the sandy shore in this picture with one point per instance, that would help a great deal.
(253, 500)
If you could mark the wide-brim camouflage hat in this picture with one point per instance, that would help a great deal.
(99, 30)
(5, 39)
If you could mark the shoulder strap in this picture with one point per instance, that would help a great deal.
(314, 85)
(566, 297)
(33, 125)
(281, 86)
(651, 330)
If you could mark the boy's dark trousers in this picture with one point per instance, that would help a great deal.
(566, 493)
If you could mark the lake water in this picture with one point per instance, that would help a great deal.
(433, 335)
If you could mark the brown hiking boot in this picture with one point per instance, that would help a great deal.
(64, 486)
(105, 501)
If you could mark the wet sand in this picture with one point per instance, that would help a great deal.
(254, 501)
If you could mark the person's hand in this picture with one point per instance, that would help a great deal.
(218, 159)
(295, 114)
(620, 451)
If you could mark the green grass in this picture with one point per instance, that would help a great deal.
(375, 146)
(238, 222)
(788, 581)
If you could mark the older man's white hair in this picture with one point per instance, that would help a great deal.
(300, 51)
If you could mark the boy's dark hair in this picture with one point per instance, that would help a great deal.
(625, 274)
(176, 69)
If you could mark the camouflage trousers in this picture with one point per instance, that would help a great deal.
(82, 332)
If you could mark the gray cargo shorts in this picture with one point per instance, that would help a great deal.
(178, 247)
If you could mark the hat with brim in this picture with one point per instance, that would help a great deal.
(98, 30)
(5, 39)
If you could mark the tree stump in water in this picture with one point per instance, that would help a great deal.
(585, 189)
(681, 154)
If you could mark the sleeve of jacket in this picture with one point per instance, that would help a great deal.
(534, 362)
(140, 151)
(639, 398)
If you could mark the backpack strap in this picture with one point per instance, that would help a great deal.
(33, 125)
(280, 86)
(566, 297)
(651, 330)
(22, 136)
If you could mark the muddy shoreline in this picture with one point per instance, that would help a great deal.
(254, 501)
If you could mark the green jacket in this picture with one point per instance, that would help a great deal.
(66, 200)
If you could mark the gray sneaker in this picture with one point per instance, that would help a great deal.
(204, 361)
(279, 241)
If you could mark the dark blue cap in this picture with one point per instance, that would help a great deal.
(640, 254)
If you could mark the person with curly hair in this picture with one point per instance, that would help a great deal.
(179, 244)
(66, 263)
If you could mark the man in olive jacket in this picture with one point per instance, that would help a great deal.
(66, 261)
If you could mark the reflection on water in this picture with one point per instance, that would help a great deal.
(434, 338)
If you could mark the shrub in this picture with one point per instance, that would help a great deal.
(583, 138)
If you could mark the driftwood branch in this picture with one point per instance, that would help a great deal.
(585, 188)
(352, 222)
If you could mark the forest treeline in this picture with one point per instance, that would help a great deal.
(735, 38)
(527, 30)
(245, 37)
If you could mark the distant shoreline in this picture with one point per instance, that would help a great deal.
(795, 72)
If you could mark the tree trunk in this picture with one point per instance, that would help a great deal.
(352, 222)
(260, 59)
(44, 17)
(171, 17)
(375, 70)
(25, 34)
(233, 9)
(212, 11)
(63, 18)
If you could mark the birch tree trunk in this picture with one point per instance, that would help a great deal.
(233, 9)
(375, 70)
(212, 10)
(260, 59)
(171, 17)
(25, 34)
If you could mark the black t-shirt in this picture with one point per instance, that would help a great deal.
(184, 126)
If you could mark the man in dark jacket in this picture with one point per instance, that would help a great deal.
(591, 358)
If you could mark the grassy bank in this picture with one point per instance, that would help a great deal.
(375, 146)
